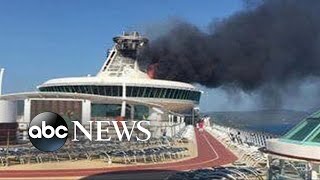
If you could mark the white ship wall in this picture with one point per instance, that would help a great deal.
(8, 111)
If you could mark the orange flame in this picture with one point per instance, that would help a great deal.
(152, 70)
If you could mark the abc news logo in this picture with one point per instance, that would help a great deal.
(48, 131)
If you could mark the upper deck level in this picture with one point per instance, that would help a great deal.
(120, 75)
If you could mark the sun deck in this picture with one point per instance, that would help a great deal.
(211, 153)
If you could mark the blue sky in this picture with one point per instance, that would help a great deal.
(42, 39)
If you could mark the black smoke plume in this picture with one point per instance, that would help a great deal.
(273, 43)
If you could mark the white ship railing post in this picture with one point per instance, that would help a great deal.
(1, 79)
(123, 105)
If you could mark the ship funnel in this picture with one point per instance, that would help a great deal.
(1, 79)
(130, 41)
(124, 55)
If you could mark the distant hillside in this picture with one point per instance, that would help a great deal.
(271, 121)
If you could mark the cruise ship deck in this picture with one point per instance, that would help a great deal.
(211, 153)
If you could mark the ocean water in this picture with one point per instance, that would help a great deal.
(277, 129)
(276, 122)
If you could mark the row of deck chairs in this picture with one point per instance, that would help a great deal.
(289, 170)
(185, 135)
(222, 173)
(111, 152)
(248, 155)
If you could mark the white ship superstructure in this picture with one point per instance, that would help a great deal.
(120, 89)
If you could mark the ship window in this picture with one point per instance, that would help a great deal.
(68, 89)
(102, 91)
(169, 92)
(180, 95)
(80, 89)
(161, 90)
(188, 94)
(184, 94)
(128, 91)
(141, 112)
(114, 91)
(87, 89)
(105, 110)
(135, 92)
(163, 93)
(74, 89)
(199, 95)
(90, 90)
(94, 89)
(191, 95)
(151, 93)
(106, 90)
(195, 96)
(175, 94)
(144, 92)
(309, 125)
(132, 91)
(138, 91)
(147, 92)
(155, 92)
(118, 90)
(65, 89)
(316, 138)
